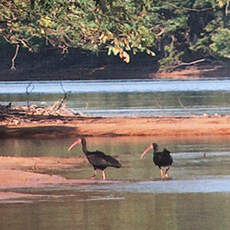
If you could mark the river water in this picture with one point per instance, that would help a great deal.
(197, 195)
(125, 97)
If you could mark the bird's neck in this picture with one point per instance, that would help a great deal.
(84, 148)
(155, 149)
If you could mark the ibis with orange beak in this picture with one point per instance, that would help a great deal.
(97, 159)
(161, 159)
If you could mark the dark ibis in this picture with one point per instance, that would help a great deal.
(97, 159)
(161, 159)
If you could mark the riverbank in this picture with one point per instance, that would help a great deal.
(116, 71)
(58, 121)
(118, 126)
(51, 64)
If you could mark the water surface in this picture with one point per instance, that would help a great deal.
(114, 86)
(134, 197)
(125, 97)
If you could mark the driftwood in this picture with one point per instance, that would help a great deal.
(14, 115)
(184, 64)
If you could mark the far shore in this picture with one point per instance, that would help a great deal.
(47, 69)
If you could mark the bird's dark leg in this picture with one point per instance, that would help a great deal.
(103, 175)
(166, 172)
(94, 175)
(162, 172)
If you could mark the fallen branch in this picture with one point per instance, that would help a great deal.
(62, 101)
(172, 68)
(193, 62)
(226, 8)
(14, 115)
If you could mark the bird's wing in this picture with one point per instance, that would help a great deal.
(97, 158)
(166, 151)
(112, 161)
(163, 158)
(168, 156)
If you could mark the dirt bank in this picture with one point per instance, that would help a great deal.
(51, 64)
(119, 126)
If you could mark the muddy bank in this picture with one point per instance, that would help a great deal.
(119, 126)
(116, 71)
(213, 71)
(32, 172)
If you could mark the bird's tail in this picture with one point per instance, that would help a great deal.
(113, 162)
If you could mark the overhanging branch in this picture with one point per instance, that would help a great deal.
(14, 57)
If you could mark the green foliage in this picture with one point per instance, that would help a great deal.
(214, 39)
(118, 26)
(221, 43)
(168, 29)
(191, 29)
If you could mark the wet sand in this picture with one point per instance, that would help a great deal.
(18, 174)
(25, 172)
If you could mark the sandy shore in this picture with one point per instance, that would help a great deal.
(121, 126)
(25, 172)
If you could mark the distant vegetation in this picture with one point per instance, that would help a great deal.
(172, 31)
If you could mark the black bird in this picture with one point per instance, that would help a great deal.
(97, 159)
(161, 159)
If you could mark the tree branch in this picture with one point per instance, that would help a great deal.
(226, 8)
(172, 68)
(189, 9)
(14, 57)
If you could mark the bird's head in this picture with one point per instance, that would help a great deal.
(76, 142)
(150, 147)
(155, 147)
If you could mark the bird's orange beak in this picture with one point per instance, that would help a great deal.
(146, 150)
(78, 141)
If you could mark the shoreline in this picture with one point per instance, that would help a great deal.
(118, 126)
(52, 65)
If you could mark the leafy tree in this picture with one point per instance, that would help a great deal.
(173, 30)
(213, 39)
(191, 29)
(117, 26)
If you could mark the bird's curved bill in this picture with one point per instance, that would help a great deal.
(78, 141)
(146, 150)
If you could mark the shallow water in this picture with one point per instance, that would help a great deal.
(197, 195)
(120, 210)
